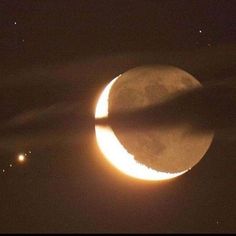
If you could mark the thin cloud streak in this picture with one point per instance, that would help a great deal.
(212, 107)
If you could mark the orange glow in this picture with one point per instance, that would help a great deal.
(115, 153)
(21, 158)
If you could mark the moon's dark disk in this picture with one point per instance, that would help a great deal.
(172, 149)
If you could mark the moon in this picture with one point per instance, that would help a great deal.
(159, 153)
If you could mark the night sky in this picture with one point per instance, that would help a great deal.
(56, 57)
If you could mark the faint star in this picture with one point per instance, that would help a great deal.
(10, 165)
(200, 31)
(3, 170)
(15, 23)
(23, 40)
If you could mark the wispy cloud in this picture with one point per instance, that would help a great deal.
(38, 114)
(43, 125)
(212, 107)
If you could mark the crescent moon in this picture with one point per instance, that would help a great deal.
(115, 153)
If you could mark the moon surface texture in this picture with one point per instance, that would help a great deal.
(149, 154)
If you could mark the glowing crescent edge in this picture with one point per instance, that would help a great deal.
(115, 153)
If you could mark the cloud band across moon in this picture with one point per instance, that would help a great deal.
(211, 107)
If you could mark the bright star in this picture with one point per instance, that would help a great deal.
(21, 158)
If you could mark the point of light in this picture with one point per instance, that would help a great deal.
(200, 31)
(115, 153)
(21, 157)
(15, 23)
(10, 165)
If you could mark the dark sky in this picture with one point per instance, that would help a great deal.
(56, 57)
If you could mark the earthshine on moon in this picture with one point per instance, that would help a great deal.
(156, 154)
